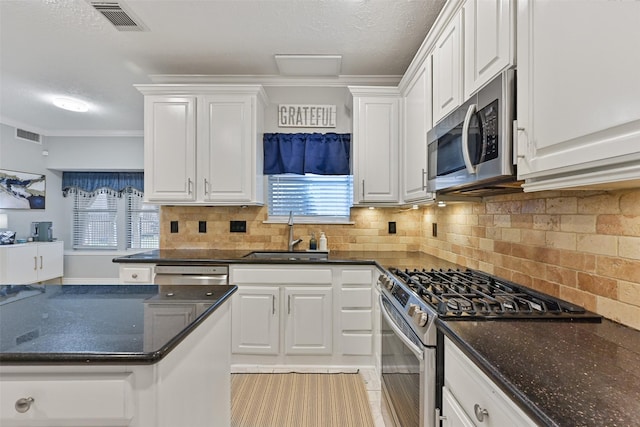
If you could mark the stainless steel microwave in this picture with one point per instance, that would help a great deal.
(471, 150)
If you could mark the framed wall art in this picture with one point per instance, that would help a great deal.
(22, 190)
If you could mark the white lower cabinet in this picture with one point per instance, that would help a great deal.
(136, 273)
(470, 398)
(309, 323)
(302, 315)
(164, 320)
(255, 320)
(28, 263)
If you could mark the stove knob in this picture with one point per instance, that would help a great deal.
(412, 309)
(420, 318)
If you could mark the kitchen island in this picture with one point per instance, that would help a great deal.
(114, 356)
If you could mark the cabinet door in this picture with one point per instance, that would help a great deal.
(578, 91)
(19, 264)
(226, 145)
(163, 321)
(309, 325)
(453, 415)
(417, 122)
(255, 326)
(50, 260)
(488, 41)
(447, 69)
(170, 148)
(376, 149)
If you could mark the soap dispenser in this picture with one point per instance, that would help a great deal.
(313, 243)
(323, 242)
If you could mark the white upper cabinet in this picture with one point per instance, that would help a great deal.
(447, 69)
(489, 41)
(170, 148)
(376, 120)
(578, 93)
(417, 122)
(203, 144)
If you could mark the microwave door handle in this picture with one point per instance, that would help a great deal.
(465, 139)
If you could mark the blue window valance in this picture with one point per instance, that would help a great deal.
(114, 183)
(300, 153)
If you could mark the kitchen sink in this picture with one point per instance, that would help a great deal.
(289, 256)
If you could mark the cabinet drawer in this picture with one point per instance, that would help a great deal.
(356, 320)
(136, 274)
(67, 400)
(357, 344)
(471, 387)
(356, 277)
(356, 297)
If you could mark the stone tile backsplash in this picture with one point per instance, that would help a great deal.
(582, 246)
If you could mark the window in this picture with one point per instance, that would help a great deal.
(95, 221)
(108, 211)
(143, 224)
(326, 198)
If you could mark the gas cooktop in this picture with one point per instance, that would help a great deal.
(474, 295)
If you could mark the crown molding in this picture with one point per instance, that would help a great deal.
(277, 80)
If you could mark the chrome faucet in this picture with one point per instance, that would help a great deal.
(292, 243)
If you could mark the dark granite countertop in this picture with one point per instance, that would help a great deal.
(90, 324)
(560, 373)
(384, 259)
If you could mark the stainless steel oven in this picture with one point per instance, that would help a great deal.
(408, 363)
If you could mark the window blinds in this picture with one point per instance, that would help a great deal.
(143, 229)
(95, 221)
(310, 195)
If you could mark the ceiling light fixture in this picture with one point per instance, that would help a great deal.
(442, 204)
(71, 104)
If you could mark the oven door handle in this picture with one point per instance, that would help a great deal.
(465, 139)
(414, 348)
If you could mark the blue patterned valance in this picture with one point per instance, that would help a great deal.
(91, 183)
(300, 153)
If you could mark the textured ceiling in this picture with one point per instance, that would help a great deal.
(65, 47)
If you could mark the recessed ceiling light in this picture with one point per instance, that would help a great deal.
(71, 104)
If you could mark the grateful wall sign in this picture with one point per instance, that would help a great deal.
(306, 116)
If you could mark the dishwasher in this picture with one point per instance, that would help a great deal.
(206, 275)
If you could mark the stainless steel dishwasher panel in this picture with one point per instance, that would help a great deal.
(192, 275)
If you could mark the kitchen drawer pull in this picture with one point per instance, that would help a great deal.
(480, 412)
(24, 404)
(134, 276)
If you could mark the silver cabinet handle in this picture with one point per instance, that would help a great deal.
(35, 263)
(289, 304)
(424, 182)
(41, 263)
(206, 186)
(480, 412)
(189, 185)
(273, 304)
(24, 404)
(363, 190)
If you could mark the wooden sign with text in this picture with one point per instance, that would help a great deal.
(306, 116)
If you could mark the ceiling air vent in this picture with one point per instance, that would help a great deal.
(115, 13)
(28, 136)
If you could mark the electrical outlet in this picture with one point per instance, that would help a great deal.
(202, 226)
(238, 226)
(174, 226)
(434, 229)
(392, 227)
